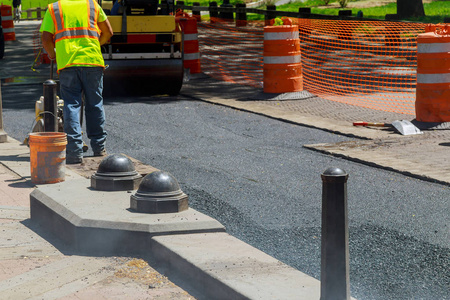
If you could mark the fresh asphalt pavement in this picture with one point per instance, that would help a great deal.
(252, 174)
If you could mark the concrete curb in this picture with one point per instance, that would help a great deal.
(190, 247)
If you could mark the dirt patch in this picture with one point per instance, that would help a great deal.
(90, 166)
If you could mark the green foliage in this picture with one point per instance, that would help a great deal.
(278, 22)
(270, 2)
(343, 3)
(434, 11)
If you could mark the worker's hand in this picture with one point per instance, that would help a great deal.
(106, 31)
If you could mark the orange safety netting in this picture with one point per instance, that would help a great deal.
(365, 63)
(37, 46)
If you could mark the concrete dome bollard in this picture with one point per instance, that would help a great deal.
(116, 172)
(159, 192)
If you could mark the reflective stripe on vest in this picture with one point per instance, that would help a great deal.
(67, 33)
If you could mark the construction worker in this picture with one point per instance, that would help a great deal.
(77, 29)
(17, 4)
(117, 8)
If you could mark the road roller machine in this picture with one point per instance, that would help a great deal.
(145, 54)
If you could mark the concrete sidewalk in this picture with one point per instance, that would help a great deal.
(36, 265)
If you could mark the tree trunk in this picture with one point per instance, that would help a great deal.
(410, 8)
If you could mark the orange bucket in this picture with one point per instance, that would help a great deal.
(47, 157)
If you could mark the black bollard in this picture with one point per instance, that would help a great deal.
(50, 106)
(304, 11)
(270, 13)
(213, 12)
(344, 13)
(334, 273)
(241, 15)
(196, 13)
(304, 27)
(227, 16)
(179, 5)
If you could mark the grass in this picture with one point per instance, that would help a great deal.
(206, 3)
(434, 11)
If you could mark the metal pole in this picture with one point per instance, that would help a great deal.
(334, 275)
(3, 135)
(50, 106)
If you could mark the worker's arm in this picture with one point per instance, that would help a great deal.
(49, 44)
(106, 31)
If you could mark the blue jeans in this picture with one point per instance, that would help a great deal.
(74, 81)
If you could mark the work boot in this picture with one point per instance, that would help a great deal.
(73, 160)
(100, 153)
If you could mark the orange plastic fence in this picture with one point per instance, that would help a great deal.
(365, 63)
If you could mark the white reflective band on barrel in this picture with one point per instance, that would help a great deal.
(433, 78)
(8, 30)
(6, 18)
(290, 35)
(191, 37)
(433, 48)
(191, 56)
(282, 59)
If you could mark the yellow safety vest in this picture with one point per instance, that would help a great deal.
(76, 33)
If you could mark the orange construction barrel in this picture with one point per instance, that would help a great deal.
(47, 157)
(7, 23)
(191, 46)
(282, 71)
(433, 75)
